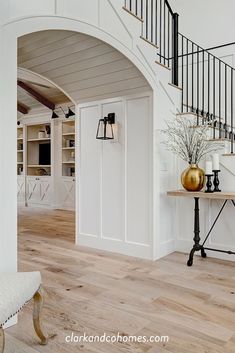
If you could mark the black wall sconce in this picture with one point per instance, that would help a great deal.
(70, 113)
(54, 115)
(67, 115)
(105, 127)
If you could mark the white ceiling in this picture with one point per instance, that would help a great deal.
(83, 66)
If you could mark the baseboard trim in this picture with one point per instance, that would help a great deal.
(165, 248)
(185, 246)
(120, 247)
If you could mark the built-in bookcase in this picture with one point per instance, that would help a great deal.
(68, 148)
(52, 182)
(20, 150)
(39, 149)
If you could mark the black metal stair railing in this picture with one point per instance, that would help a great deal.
(207, 88)
(206, 81)
(160, 28)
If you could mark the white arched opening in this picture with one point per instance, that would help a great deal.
(11, 32)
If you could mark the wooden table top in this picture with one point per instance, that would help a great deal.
(201, 194)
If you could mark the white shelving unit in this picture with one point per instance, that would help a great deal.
(52, 184)
(20, 150)
(39, 183)
(35, 140)
(68, 148)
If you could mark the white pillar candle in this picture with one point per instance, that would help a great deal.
(209, 167)
(216, 161)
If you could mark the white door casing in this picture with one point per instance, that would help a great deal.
(23, 24)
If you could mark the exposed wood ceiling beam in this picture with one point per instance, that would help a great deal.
(22, 108)
(36, 95)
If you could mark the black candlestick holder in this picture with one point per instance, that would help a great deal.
(209, 183)
(216, 181)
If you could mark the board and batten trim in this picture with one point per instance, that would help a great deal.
(120, 243)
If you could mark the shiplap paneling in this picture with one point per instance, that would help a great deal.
(83, 66)
(84, 61)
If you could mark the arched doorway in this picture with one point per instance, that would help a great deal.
(19, 28)
(101, 80)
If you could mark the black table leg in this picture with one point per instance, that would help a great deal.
(196, 246)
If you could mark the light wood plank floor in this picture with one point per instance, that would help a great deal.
(95, 292)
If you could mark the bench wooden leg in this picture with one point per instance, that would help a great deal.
(2, 340)
(38, 303)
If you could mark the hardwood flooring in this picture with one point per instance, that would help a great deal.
(91, 291)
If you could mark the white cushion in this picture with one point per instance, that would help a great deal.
(16, 289)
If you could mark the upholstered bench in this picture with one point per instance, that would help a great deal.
(16, 290)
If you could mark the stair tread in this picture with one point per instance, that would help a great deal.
(132, 13)
(172, 84)
(200, 117)
(149, 42)
(161, 64)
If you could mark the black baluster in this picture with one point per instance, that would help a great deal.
(182, 72)
(187, 75)
(130, 5)
(232, 135)
(208, 98)
(168, 39)
(192, 108)
(175, 48)
(147, 20)
(219, 98)
(136, 7)
(203, 82)
(156, 21)
(225, 101)
(160, 30)
(164, 32)
(197, 85)
(214, 85)
(151, 20)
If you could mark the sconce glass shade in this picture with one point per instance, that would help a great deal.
(105, 128)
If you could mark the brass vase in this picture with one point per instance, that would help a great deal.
(193, 178)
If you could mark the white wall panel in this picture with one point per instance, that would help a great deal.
(111, 22)
(75, 8)
(113, 178)
(118, 173)
(89, 172)
(137, 170)
(31, 7)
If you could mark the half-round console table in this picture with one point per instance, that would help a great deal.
(225, 196)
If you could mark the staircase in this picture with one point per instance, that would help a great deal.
(206, 82)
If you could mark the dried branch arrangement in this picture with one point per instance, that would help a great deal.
(188, 140)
